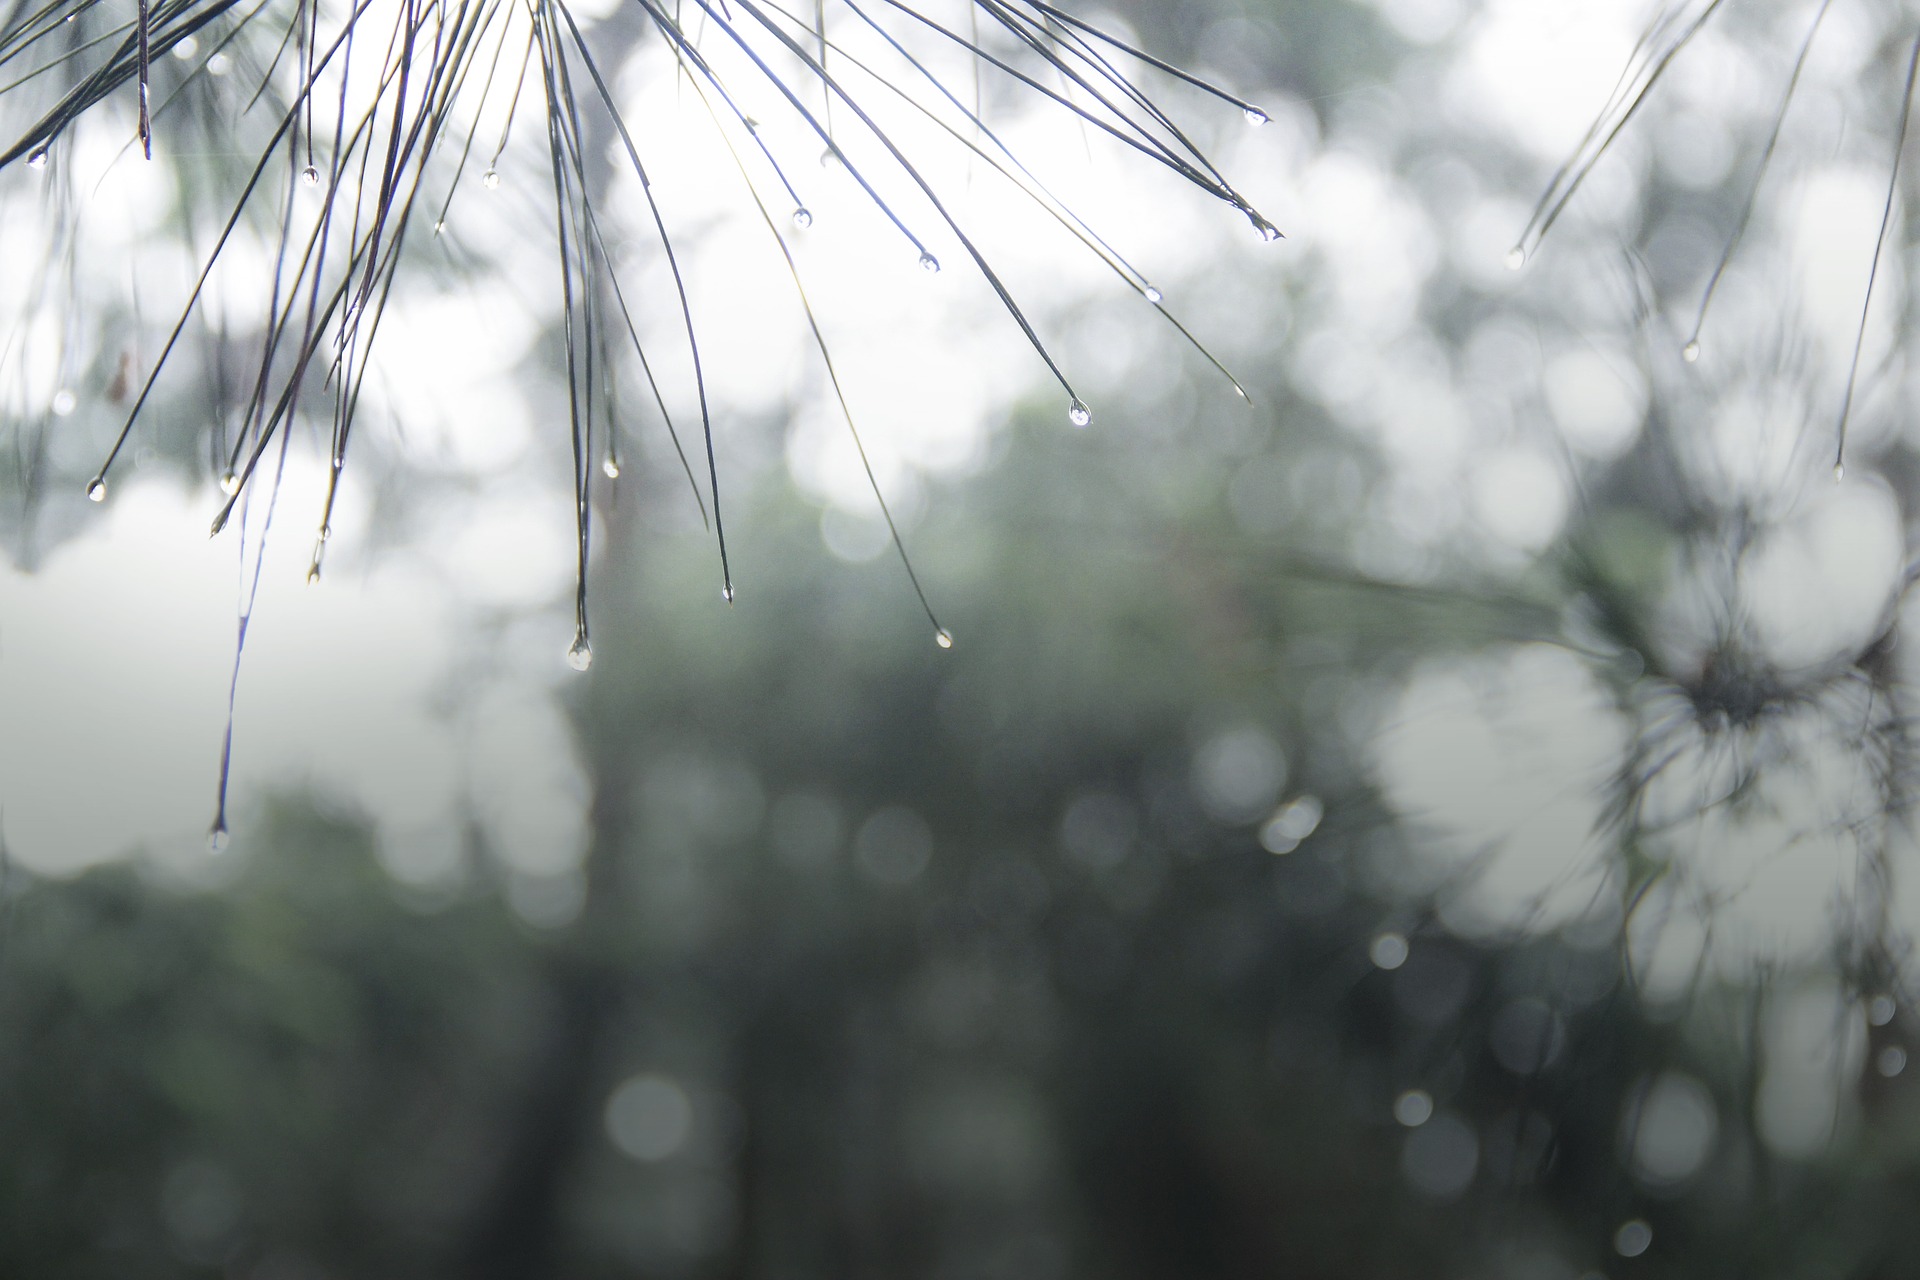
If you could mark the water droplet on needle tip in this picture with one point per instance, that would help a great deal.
(1078, 413)
(310, 176)
(943, 638)
(580, 653)
(929, 264)
(1516, 258)
(802, 218)
(97, 490)
(1256, 117)
(490, 179)
(610, 467)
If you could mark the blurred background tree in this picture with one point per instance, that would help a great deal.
(1449, 820)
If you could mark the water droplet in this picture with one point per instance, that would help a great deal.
(829, 157)
(1266, 230)
(186, 48)
(1892, 1061)
(726, 593)
(1516, 258)
(313, 573)
(580, 653)
(1388, 951)
(310, 176)
(1078, 413)
(72, 16)
(217, 838)
(1691, 352)
(63, 402)
(610, 467)
(1881, 1010)
(802, 218)
(929, 264)
(219, 64)
(229, 483)
(1154, 295)
(1291, 823)
(1255, 116)
(38, 160)
(943, 638)
(1633, 1238)
(1839, 472)
(753, 126)
(97, 489)
(325, 534)
(490, 179)
(1413, 1108)
(439, 226)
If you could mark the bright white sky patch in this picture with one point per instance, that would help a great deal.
(1822, 583)
(1543, 71)
(114, 660)
(1505, 761)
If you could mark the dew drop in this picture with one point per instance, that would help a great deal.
(1516, 258)
(929, 264)
(1880, 1012)
(1413, 1108)
(1154, 295)
(439, 226)
(217, 839)
(1256, 117)
(490, 179)
(313, 574)
(802, 218)
(1633, 1238)
(829, 157)
(97, 489)
(943, 638)
(726, 593)
(1267, 231)
(325, 534)
(219, 64)
(1078, 413)
(1388, 951)
(580, 653)
(310, 176)
(38, 160)
(63, 402)
(1839, 472)
(229, 483)
(72, 16)
(753, 126)
(1691, 352)
(610, 467)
